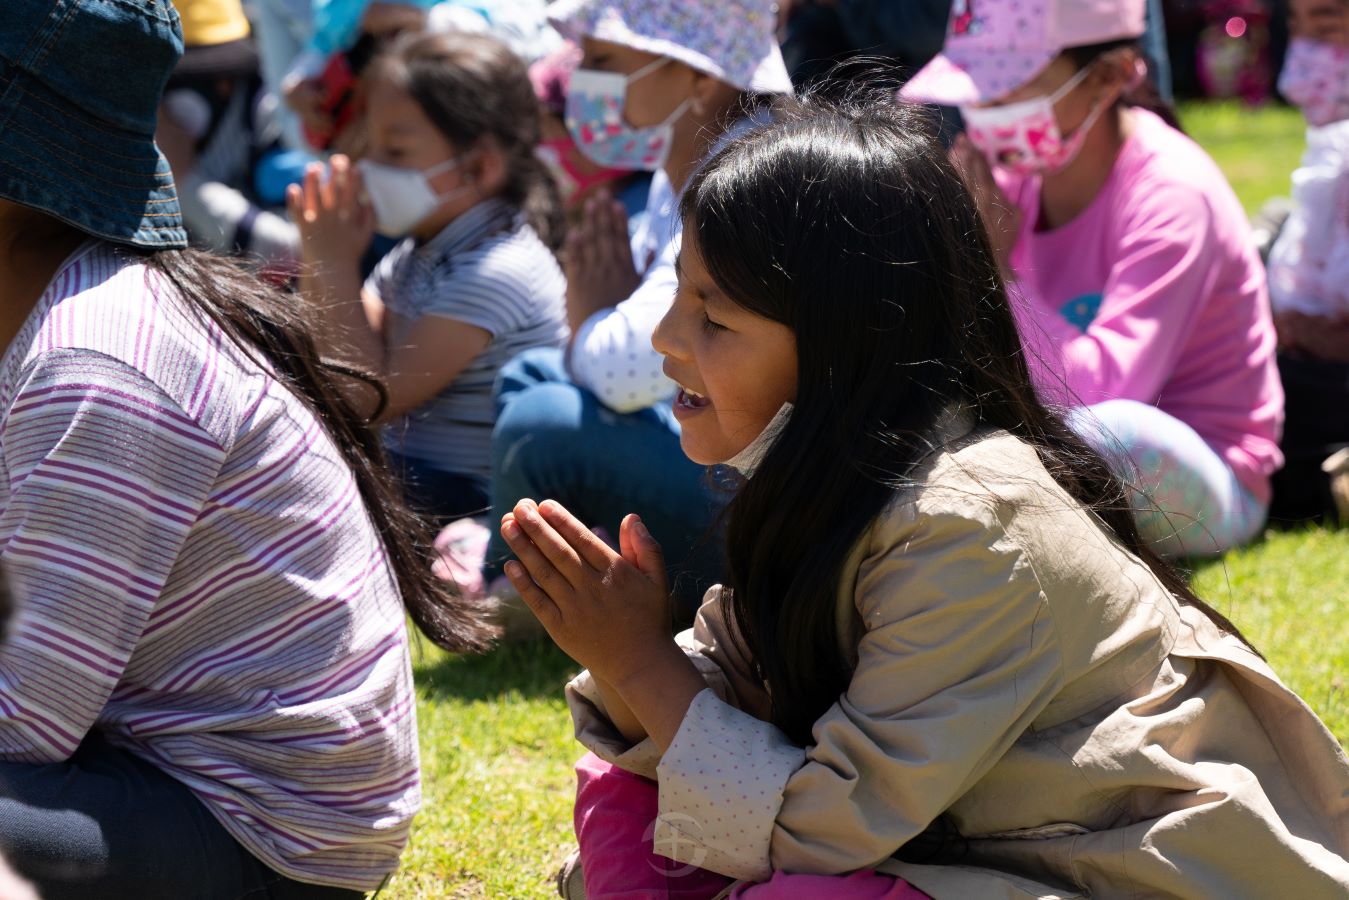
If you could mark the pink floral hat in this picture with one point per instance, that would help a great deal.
(733, 40)
(994, 47)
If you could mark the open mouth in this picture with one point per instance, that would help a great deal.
(687, 399)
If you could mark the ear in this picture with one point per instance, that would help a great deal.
(1115, 71)
(704, 91)
(486, 168)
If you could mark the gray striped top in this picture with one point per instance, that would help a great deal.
(487, 268)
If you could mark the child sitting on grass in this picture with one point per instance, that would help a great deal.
(453, 124)
(944, 663)
(1309, 262)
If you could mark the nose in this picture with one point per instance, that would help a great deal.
(670, 337)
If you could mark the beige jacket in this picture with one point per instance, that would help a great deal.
(1018, 671)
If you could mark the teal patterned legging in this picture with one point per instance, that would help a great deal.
(1187, 499)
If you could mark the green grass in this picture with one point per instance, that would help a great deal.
(496, 739)
(1258, 149)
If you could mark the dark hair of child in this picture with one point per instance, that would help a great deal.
(848, 224)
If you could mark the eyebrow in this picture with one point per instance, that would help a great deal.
(705, 293)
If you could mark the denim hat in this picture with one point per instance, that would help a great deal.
(80, 82)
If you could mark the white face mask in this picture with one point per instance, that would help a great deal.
(403, 198)
(748, 459)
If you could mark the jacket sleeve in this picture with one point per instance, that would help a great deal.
(957, 657)
(711, 645)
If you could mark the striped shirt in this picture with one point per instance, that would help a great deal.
(487, 268)
(198, 578)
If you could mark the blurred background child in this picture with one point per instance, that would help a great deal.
(451, 171)
(659, 86)
(1143, 302)
(1309, 262)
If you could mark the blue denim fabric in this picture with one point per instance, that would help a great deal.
(80, 85)
(556, 440)
(105, 825)
(438, 495)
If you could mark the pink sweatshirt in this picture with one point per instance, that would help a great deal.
(1156, 293)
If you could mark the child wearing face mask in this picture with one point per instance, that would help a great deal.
(1141, 299)
(452, 171)
(944, 663)
(1309, 269)
(658, 87)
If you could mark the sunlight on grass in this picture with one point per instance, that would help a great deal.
(1257, 149)
(1287, 593)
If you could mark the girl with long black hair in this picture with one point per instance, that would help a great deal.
(944, 662)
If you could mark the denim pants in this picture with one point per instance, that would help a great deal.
(105, 825)
(439, 496)
(555, 440)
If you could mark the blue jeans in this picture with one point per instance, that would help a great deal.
(439, 496)
(556, 440)
(105, 824)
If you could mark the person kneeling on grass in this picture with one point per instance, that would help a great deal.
(945, 662)
(208, 691)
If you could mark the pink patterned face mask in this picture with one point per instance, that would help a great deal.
(1315, 78)
(1024, 138)
(557, 155)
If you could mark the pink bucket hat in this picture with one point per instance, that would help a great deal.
(994, 47)
(733, 40)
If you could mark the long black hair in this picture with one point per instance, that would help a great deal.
(848, 224)
(274, 330)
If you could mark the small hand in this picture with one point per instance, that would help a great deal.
(1002, 218)
(609, 612)
(335, 225)
(599, 265)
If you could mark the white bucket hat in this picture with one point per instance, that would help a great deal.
(733, 40)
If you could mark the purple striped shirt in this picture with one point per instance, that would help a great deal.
(198, 578)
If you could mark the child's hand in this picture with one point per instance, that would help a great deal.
(599, 266)
(1002, 217)
(335, 224)
(608, 612)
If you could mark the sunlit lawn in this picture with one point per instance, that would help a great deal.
(496, 738)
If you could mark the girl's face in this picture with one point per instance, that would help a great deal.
(401, 135)
(734, 368)
(1326, 21)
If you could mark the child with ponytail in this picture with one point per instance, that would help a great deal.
(453, 124)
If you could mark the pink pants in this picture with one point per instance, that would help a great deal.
(614, 813)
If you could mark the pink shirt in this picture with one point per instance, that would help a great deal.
(1156, 293)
